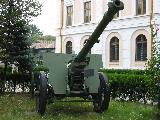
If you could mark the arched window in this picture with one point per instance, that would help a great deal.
(141, 48)
(69, 47)
(85, 43)
(114, 49)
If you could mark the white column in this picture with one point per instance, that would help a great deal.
(126, 47)
(58, 13)
(76, 39)
(57, 49)
(156, 6)
(134, 7)
(58, 25)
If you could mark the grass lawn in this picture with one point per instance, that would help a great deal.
(21, 107)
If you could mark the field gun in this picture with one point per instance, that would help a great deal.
(73, 75)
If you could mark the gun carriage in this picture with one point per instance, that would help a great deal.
(73, 75)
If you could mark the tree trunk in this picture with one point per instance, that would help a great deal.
(4, 79)
(32, 84)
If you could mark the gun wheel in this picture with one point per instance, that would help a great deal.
(101, 102)
(41, 94)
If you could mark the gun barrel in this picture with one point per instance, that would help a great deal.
(114, 7)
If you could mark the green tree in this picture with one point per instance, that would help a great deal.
(153, 67)
(35, 33)
(15, 16)
(49, 38)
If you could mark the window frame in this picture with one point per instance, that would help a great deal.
(114, 44)
(69, 47)
(141, 5)
(69, 11)
(85, 41)
(87, 19)
(141, 40)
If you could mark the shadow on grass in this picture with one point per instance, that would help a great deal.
(71, 109)
(157, 115)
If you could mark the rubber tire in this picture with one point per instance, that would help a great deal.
(99, 104)
(41, 98)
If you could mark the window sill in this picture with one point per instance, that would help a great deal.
(87, 23)
(130, 17)
(140, 63)
(140, 15)
(68, 26)
(114, 63)
(116, 18)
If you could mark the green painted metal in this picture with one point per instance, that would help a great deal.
(58, 71)
(93, 81)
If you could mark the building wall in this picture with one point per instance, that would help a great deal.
(78, 16)
(126, 28)
(128, 4)
(44, 44)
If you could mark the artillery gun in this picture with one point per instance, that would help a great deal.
(73, 75)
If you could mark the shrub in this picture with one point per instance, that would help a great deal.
(41, 68)
(133, 85)
(123, 71)
(37, 71)
(153, 67)
(9, 69)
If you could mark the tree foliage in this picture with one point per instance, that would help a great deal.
(153, 67)
(15, 42)
(35, 32)
(48, 38)
(37, 35)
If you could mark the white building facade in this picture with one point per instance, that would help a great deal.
(126, 41)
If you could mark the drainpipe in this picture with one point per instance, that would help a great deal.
(151, 26)
(61, 26)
